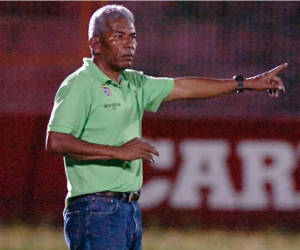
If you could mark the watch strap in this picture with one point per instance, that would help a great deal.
(240, 80)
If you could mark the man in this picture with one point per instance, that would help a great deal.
(96, 125)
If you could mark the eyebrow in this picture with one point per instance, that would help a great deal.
(122, 32)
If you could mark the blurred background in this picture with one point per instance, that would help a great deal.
(230, 162)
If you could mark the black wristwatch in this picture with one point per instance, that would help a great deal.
(240, 79)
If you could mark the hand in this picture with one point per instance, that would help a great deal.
(136, 149)
(267, 81)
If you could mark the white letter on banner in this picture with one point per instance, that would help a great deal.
(166, 157)
(156, 190)
(257, 173)
(204, 165)
(297, 194)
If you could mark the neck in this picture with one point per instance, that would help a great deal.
(107, 70)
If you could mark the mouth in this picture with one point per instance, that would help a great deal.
(128, 56)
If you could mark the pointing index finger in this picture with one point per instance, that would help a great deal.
(277, 69)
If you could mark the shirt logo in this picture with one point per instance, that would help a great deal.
(106, 90)
(112, 106)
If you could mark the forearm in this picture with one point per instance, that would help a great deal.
(69, 145)
(197, 87)
(88, 157)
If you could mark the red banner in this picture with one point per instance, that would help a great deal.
(232, 173)
(236, 173)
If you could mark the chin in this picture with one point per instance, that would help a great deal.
(126, 65)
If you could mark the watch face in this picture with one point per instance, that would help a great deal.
(239, 78)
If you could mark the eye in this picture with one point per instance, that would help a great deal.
(118, 35)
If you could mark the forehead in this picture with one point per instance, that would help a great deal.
(121, 24)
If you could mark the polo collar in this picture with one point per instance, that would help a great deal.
(124, 82)
(90, 65)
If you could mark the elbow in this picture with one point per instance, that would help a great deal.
(54, 144)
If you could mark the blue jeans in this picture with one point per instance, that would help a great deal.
(93, 222)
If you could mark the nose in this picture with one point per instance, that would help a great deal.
(131, 43)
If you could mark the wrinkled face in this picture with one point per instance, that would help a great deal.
(117, 47)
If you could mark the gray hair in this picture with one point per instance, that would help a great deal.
(98, 21)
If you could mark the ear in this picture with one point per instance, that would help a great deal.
(95, 45)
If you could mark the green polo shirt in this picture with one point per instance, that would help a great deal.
(96, 109)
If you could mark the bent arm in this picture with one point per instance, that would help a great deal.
(71, 146)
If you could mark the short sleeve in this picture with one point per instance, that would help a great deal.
(71, 107)
(155, 90)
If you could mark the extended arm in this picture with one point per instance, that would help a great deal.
(197, 87)
(69, 145)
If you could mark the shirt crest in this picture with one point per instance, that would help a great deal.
(106, 90)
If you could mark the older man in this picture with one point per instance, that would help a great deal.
(96, 125)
